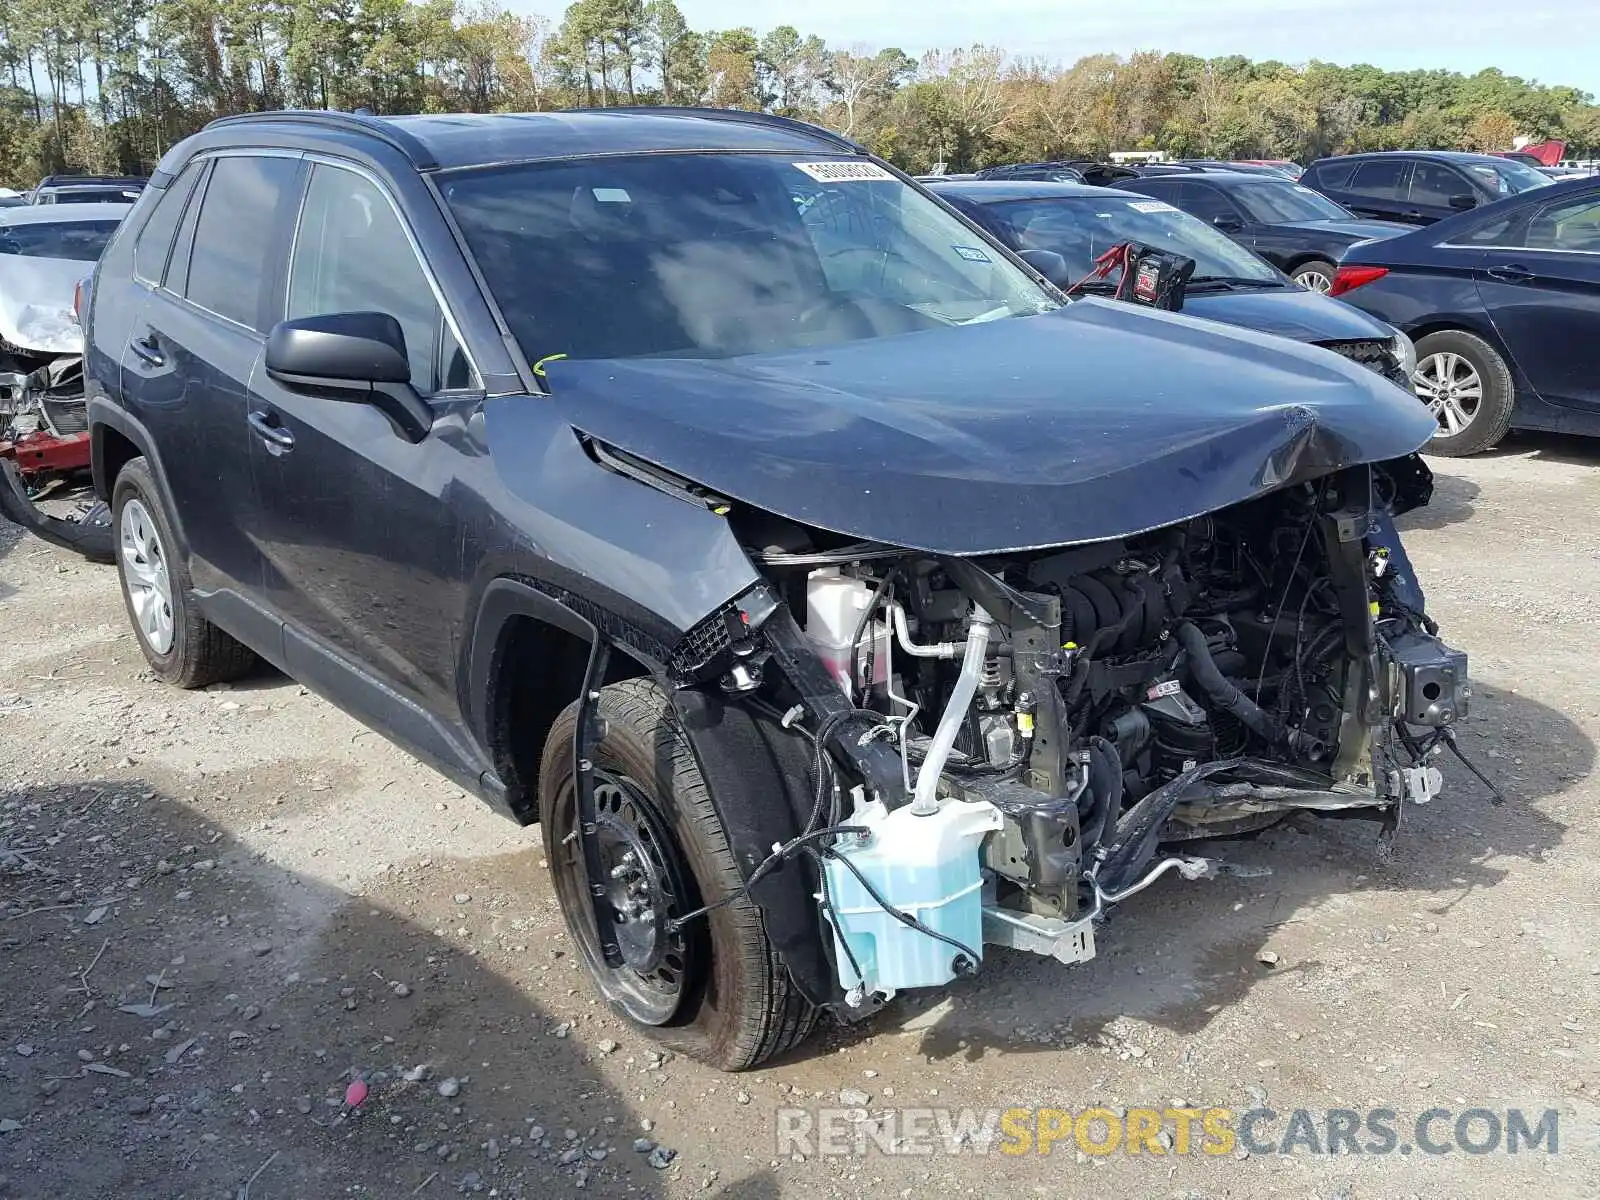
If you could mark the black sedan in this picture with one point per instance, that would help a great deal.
(1229, 284)
(1289, 225)
(1504, 304)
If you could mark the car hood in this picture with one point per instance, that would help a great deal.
(1095, 421)
(36, 303)
(1354, 229)
(1290, 312)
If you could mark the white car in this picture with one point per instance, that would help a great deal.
(44, 252)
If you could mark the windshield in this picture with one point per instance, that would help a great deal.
(1081, 228)
(1506, 178)
(715, 255)
(1274, 203)
(80, 241)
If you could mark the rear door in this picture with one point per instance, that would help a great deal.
(1541, 287)
(362, 531)
(189, 358)
(1378, 189)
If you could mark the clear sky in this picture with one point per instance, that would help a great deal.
(1553, 41)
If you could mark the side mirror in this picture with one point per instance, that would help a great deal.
(1049, 264)
(1227, 224)
(1463, 202)
(358, 356)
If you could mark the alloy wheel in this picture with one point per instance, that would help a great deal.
(1451, 388)
(144, 575)
(1314, 280)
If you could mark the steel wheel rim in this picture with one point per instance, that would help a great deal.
(1451, 388)
(1315, 281)
(653, 991)
(145, 578)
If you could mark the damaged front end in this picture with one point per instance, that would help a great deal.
(1004, 743)
(45, 449)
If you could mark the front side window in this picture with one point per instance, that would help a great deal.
(1382, 179)
(237, 233)
(1572, 225)
(351, 254)
(1206, 203)
(1272, 202)
(1434, 184)
(76, 241)
(1082, 228)
(717, 255)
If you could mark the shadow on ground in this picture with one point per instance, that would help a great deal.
(1566, 448)
(195, 1016)
(1181, 953)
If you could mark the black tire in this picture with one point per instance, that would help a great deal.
(200, 653)
(736, 1006)
(1492, 416)
(1315, 269)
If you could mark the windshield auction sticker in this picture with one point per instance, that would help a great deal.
(853, 171)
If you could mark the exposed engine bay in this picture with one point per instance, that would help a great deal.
(1004, 745)
(45, 452)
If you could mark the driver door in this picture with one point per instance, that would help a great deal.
(361, 534)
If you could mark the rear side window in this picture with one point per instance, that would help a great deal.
(236, 235)
(155, 239)
(1381, 180)
(1334, 175)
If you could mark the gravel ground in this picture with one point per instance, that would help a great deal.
(219, 910)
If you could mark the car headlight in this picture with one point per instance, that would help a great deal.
(1405, 352)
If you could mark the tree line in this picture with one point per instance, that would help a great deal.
(109, 85)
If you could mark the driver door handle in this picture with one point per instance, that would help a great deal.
(265, 426)
(1511, 273)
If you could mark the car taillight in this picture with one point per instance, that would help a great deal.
(1347, 278)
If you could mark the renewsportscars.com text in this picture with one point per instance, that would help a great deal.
(1166, 1131)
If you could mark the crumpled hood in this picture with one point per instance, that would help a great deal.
(36, 303)
(1290, 312)
(1094, 421)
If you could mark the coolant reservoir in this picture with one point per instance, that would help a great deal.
(835, 604)
(925, 866)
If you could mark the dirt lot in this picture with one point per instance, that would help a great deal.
(218, 909)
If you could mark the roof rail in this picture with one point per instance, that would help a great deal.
(67, 179)
(736, 115)
(385, 131)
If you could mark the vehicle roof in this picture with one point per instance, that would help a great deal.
(998, 191)
(452, 140)
(1246, 178)
(1446, 155)
(62, 214)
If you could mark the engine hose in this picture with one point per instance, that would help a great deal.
(1210, 679)
(1105, 784)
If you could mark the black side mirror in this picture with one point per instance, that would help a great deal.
(1228, 224)
(1463, 202)
(358, 356)
(1049, 264)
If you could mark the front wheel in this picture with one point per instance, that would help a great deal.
(714, 989)
(1315, 276)
(1468, 389)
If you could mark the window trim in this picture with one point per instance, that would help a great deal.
(1522, 221)
(343, 164)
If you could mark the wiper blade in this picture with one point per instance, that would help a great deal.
(1228, 282)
